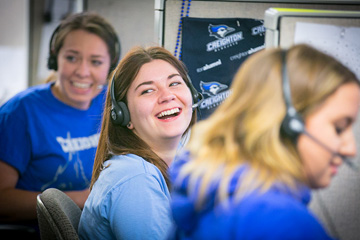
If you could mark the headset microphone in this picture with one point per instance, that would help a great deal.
(200, 99)
(195, 105)
(101, 86)
(346, 160)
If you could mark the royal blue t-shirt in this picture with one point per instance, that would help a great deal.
(279, 213)
(49, 143)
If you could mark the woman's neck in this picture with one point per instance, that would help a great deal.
(166, 150)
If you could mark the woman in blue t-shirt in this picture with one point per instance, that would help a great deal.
(49, 132)
(249, 168)
(148, 110)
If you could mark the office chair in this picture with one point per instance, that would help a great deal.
(58, 215)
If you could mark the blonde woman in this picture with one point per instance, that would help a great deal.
(249, 168)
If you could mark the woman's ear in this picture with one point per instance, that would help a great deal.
(130, 126)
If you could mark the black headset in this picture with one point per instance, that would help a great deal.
(293, 124)
(120, 113)
(52, 59)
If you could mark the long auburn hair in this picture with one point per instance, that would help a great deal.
(118, 140)
(245, 129)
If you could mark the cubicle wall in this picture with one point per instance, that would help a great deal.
(280, 23)
(171, 10)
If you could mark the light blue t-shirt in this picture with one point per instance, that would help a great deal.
(130, 200)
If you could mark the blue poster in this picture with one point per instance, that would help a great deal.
(213, 50)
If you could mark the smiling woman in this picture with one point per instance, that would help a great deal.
(148, 110)
(83, 65)
(160, 107)
(49, 132)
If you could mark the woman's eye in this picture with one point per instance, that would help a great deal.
(71, 58)
(96, 62)
(343, 125)
(146, 91)
(339, 130)
(175, 83)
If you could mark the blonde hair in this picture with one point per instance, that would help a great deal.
(245, 129)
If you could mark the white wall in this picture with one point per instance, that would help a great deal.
(132, 19)
(14, 42)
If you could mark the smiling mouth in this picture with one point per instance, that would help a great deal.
(81, 85)
(169, 113)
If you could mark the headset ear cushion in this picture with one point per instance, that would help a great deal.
(292, 126)
(126, 114)
(120, 114)
(52, 62)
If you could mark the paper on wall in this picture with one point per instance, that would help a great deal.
(340, 42)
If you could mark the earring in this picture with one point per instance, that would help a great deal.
(129, 125)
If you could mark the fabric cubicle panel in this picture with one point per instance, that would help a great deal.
(232, 9)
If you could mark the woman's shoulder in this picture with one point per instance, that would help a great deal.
(272, 215)
(278, 212)
(27, 102)
(130, 165)
(27, 96)
(128, 172)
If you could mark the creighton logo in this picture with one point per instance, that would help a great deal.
(217, 93)
(212, 88)
(219, 31)
(223, 40)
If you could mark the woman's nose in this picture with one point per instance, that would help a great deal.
(348, 146)
(83, 69)
(165, 95)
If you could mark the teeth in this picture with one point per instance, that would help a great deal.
(169, 112)
(81, 85)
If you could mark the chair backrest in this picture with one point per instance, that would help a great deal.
(58, 215)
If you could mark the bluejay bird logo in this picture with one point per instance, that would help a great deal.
(219, 31)
(212, 88)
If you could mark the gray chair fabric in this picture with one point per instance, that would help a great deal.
(58, 215)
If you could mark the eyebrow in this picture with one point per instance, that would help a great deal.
(151, 82)
(78, 53)
(72, 51)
